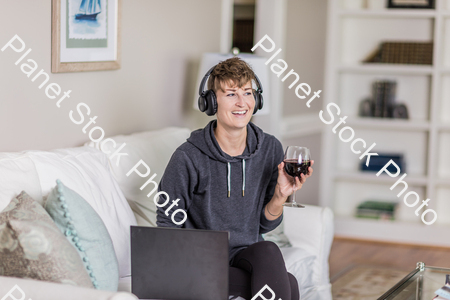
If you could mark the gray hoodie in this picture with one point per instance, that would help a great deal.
(221, 192)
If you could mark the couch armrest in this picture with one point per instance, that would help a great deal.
(19, 288)
(312, 229)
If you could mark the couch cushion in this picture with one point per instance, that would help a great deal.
(84, 170)
(155, 148)
(277, 236)
(124, 284)
(311, 229)
(17, 173)
(31, 246)
(86, 231)
(39, 290)
(299, 263)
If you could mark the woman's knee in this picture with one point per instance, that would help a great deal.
(295, 292)
(267, 249)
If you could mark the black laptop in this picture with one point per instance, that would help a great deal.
(179, 264)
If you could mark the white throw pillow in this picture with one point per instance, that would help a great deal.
(155, 148)
(17, 173)
(84, 170)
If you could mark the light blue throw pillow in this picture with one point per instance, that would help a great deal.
(84, 228)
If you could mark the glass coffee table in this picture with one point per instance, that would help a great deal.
(420, 284)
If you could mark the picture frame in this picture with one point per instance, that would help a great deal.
(418, 4)
(86, 35)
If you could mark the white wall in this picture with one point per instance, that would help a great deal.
(305, 51)
(162, 42)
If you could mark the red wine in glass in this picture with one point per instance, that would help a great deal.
(295, 169)
(297, 160)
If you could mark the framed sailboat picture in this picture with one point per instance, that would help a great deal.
(85, 35)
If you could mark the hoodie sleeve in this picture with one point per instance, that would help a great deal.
(178, 182)
(265, 224)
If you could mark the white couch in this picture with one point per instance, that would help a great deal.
(120, 202)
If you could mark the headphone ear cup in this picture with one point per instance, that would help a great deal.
(211, 103)
(258, 101)
(202, 105)
(261, 101)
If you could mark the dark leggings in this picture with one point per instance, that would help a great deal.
(260, 264)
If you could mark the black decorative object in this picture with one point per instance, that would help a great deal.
(365, 108)
(400, 111)
(429, 4)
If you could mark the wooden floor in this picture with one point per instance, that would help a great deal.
(346, 253)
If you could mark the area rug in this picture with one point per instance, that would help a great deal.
(365, 282)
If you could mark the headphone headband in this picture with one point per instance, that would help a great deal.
(205, 78)
(202, 84)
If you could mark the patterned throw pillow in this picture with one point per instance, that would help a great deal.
(84, 228)
(23, 207)
(31, 246)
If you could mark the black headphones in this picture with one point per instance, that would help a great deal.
(207, 101)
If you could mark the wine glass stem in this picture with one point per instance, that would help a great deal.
(293, 194)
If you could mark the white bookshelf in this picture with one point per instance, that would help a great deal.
(424, 139)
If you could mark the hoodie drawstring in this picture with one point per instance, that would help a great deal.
(243, 177)
(229, 178)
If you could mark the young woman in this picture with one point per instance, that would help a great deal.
(230, 176)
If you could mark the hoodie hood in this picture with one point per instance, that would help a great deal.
(205, 140)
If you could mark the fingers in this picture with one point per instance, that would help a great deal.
(310, 170)
(302, 178)
(281, 168)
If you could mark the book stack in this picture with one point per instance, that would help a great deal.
(378, 162)
(444, 292)
(382, 104)
(383, 98)
(403, 53)
(379, 210)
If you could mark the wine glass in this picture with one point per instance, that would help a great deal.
(297, 160)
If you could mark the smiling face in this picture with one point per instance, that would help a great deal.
(235, 106)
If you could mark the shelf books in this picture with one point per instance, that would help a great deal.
(418, 53)
(382, 104)
(383, 98)
(379, 210)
